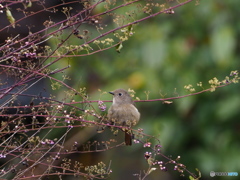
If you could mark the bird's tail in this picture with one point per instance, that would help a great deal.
(128, 138)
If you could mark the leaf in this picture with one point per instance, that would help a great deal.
(29, 4)
(119, 47)
(10, 18)
(130, 28)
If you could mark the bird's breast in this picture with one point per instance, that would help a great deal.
(124, 114)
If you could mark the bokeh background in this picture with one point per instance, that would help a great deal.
(167, 52)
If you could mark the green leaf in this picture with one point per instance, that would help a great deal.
(10, 18)
(119, 47)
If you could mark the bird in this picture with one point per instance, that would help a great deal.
(123, 112)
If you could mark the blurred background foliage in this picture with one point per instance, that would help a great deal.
(167, 52)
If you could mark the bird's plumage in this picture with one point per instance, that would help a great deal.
(123, 112)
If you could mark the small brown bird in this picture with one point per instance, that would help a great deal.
(123, 112)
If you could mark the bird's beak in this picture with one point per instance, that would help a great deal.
(111, 93)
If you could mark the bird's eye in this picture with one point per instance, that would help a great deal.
(120, 94)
